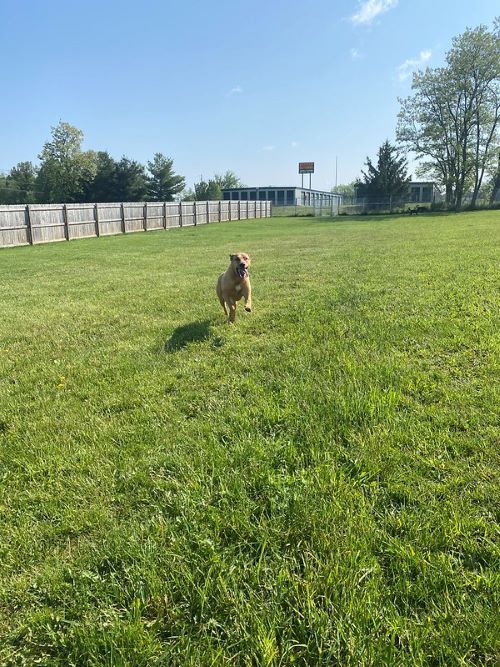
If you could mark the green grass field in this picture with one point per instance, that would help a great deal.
(317, 485)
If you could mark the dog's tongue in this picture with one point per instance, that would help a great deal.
(242, 273)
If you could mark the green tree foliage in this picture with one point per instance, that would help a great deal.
(494, 186)
(227, 180)
(65, 169)
(452, 119)
(211, 190)
(131, 181)
(19, 185)
(3, 189)
(207, 190)
(103, 188)
(388, 178)
(344, 189)
(163, 183)
(22, 181)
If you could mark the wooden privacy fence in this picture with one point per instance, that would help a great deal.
(23, 224)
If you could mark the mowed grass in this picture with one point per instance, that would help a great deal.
(316, 485)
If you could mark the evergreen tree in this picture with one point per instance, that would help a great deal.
(104, 186)
(4, 189)
(130, 181)
(163, 183)
(22, 183)
(389, 178)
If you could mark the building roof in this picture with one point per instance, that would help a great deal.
(279, 187)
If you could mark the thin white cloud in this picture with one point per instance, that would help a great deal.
(370, 9)
(268, 148)
(355, 54)
(409, 66)
(237, 90)
(294, 144)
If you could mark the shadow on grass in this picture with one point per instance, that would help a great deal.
(188, 333)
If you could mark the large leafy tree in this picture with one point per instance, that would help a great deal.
(451, 121)
(388, 178)
(344, 189)
(211, 190)
(227, 180)
(495, 182)
(207, 190)
(65, 169)
(163, 183)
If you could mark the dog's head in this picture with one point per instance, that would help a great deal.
(240, 263)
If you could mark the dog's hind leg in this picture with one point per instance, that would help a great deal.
(221, 298)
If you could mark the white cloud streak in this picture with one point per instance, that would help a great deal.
(370, 9)
(355, 54)
(409, 66)
(237, 90)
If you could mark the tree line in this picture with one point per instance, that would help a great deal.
(67, 174)
(450, 123)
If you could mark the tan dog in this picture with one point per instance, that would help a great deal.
(234, 284)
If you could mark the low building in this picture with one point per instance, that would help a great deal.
(418, 191)
(424, 191)
(285, 196)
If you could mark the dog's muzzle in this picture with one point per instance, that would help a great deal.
(242, 271)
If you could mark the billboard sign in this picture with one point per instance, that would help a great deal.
(306, 167)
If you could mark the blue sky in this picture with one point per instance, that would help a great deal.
(254, 86)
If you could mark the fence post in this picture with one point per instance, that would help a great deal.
(208, 212)
(122, 215)
(194, 213)
(180, 214)
(220, 211)
(96, 220)
(65, 220)
(164, 215)
(239, 209)
(145, 216)
(229, 209)
(29, 231)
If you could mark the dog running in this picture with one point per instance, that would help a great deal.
(234, 284)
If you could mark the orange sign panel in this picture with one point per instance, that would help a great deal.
(306, 167)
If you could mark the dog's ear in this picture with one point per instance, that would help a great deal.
(231, 257)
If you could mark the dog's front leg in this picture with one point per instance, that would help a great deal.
(232, 310)
(247, 295)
